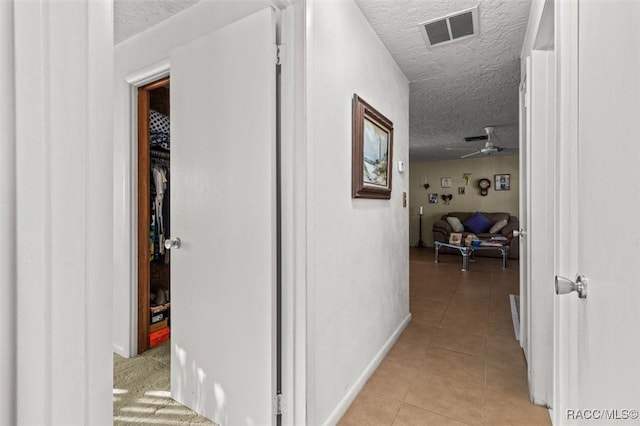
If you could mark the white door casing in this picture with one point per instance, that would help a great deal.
(597, 371)
(59, 268)
(538, 168)
(223, 208)
(525, 260)
(541, 236)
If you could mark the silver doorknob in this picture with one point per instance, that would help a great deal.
(519, 233)
(172, 243)
(566, 286)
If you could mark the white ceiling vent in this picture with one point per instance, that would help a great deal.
(450, 28)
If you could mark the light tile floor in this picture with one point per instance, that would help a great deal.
(458, 362)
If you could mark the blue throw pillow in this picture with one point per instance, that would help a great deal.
(478, 223)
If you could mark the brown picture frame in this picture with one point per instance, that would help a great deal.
(372, 157)
(502, 182)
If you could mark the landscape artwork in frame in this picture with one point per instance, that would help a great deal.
(503, 183)
(372, 152)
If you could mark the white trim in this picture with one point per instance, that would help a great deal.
(293, 182)
(358, 385)
(8, 261)
(306, 265)
(538, 129)
(541, 225)
(63, 92)
(566, 199)
(149, 74)
(515, 318)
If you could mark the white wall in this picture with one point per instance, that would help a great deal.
(357, 254)
(134, 59)
(481, 167)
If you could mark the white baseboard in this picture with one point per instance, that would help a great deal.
(357, 386)
(515, 316)
(120, 351)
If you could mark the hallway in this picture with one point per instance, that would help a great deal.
(457, 363)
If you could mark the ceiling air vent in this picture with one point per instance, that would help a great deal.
(454, 27)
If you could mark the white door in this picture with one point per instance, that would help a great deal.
(597, 338)
(223, 208)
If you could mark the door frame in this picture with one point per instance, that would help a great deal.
(538, 73)
(144, 211)
(542, 236)
(524, 203)
(566, 195)
(135, 73)
(136, 81)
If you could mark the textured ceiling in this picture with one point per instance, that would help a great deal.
(134, 16)
(456, 89)
(459, 88)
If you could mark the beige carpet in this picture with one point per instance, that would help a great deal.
(141, 394)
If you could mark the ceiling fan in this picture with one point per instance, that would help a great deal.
(489, 147)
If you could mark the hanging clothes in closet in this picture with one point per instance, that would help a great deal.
(159, 206)
(159, 140)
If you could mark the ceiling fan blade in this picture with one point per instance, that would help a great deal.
(472, 154)
(476, 138)
(459, 149)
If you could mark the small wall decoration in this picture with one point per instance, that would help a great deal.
(446, 198)
(462, 190)
(484, 184)
(503, 182)
(445, 182)
(372, 152)
(433, 198)
(467, 178)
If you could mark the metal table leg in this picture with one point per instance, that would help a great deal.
(465, 259)
(505, 252)
(437, 244)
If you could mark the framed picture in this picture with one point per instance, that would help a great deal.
(455, 238)
(372, 152)
(468, 241)
(503, 183)
(445, 182)
(433, 198)
(462, 190)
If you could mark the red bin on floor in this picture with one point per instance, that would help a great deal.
(159, 336)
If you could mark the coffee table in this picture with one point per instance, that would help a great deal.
(467, 252)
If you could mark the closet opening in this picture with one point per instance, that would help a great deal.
(142, 384)
(154, 267)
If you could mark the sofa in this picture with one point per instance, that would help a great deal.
(442, 229)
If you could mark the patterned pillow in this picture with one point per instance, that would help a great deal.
(455, 223)
(497, 227)
(478, 223)
(158, 123)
